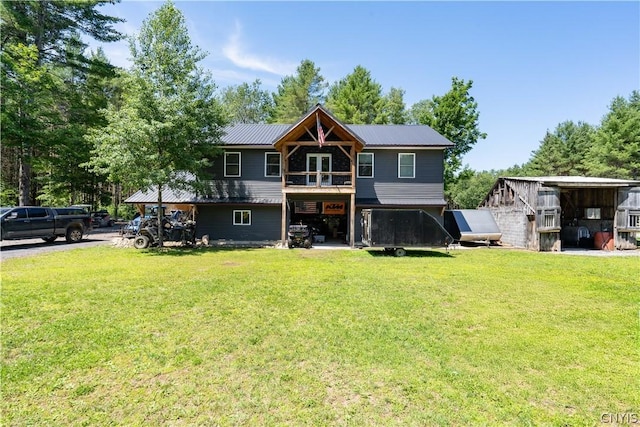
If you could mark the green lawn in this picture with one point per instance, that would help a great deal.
(108, 336)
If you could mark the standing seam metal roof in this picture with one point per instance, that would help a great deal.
(372, 135)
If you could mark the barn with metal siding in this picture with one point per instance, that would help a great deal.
(551, 213)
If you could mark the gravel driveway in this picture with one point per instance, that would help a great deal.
(29, 247)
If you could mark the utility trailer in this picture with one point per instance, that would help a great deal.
(472, 225)
(397, 229)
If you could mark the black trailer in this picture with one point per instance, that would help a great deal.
(396, 229)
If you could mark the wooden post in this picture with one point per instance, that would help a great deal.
(283, 233)
(352, 221)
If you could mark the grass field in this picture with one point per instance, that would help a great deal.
(108, 336)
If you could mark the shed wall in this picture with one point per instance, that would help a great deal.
(514, 226)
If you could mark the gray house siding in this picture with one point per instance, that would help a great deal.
(385, 185)
(217, 222)
(251, 165)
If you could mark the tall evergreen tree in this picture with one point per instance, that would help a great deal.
(357, 98)
(615, 152)
(297, 94)
(62, 170)
(563, 152)
(164, 129)
(35, 39)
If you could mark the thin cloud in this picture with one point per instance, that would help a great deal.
(236, 53)
(230, 77)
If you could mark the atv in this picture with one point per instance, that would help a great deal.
(172, 231)
(299, 235)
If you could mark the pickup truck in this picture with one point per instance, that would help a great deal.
(30, 222)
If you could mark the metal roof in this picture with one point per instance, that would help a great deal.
(576, 181)
(400, 135)
(471, 224)
(372, 135)
(253, 133)
(168, 196)
(414, 201)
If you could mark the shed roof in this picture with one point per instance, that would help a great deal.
(576, 181)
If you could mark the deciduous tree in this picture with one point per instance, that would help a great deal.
(393, 109)
(247, 103)
(455, 116)
(164, 130)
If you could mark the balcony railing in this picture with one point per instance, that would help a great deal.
(318, 179)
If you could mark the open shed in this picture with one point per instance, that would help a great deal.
(549, 213)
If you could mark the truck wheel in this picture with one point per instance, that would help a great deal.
(50, 239)
(141, 242)
(74, 235)
(111, 223)
(400, 252)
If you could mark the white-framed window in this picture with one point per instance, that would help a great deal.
(634, 219)
(232, 164)
(406, 165)
(592, 213)
(271, 164)
(365, 165)
(242, 217)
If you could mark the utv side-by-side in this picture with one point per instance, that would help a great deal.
(299, 235)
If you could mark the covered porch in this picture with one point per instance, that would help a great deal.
(319, 164)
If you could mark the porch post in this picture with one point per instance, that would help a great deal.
(283, 231)
(352, 221)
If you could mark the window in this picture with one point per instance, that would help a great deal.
(18, 213)
(37, 213)
(272, 164)
(634, 219)
(242, 217)
(231, 164)
(365, 165)
(406, 165)
(592, 213)
(549, 220)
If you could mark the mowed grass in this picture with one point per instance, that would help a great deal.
(108, 336)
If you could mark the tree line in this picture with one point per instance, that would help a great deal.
(610, 149)
(76, 129)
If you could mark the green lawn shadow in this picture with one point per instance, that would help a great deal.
(412, 253)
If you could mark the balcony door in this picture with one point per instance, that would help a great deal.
(319, 165)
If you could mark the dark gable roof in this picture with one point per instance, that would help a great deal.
(400, 135)
(373, 135)
(253, 133)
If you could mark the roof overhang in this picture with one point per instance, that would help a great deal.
(578, 181)
(308, 122)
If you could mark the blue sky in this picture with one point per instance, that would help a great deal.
(533, 64)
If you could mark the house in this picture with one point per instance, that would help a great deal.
(318, 171)
(548, 213)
